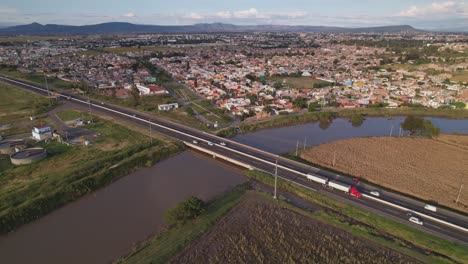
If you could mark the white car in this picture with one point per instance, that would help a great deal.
(430, 208)
(210, 143)
(195, 142)
(222, 144)
(416, 220)
(375, 193)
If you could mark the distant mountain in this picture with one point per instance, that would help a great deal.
(128, 28)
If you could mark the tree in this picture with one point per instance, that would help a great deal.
(418, 126)
(185, 211)
(356, 120)
(135, 95)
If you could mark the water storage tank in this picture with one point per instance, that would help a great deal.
(28, 156)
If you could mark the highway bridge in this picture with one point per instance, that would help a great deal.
(443, 223)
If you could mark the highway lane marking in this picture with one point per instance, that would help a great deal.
(421, 214)
(227, 148)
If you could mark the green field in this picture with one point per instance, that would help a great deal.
(73, 115)
(30, 191)
(297, 82)
(37, 78)
(16, 108)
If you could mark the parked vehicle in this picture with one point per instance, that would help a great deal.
(210, 143)
(416, 220)
(375, 193)
(195, 142)
(430, 208)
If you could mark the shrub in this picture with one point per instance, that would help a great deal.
(185, 211)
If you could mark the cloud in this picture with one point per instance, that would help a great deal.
(249, 13)
(437, 9)
(7, 10)
(130, 14)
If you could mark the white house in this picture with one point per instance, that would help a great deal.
(167, 107)
(42, 132)
(150, 89)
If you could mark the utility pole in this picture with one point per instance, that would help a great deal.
(297, 146)
(305, 142)
(47, 87)
(459, 192)
(276, 176)
(151, 132)
(334, 158)
(391, 131)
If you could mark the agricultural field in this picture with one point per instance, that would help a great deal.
(431, 169)
(260, 230)
(297, 82)
(69, 172)
(16, 108)
(37, 78)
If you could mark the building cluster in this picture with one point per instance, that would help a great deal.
(250, 73)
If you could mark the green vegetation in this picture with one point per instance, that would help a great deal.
(210, 112)
(69, 115)
(162, 247)
(418, 126)
(16, 108)
(356, 120)
(461, 105)
(302, 118)
(185, 211)
(37, 78)
(30, 191)
(426, 247)
(298, 82)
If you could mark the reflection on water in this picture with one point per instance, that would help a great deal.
(103, 226)
(285, 139)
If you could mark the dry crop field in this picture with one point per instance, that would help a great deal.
(260, 230)
(431, 169)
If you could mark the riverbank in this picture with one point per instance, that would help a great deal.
(429, 169)
(29, 192)
(325, 117)
(162, 247)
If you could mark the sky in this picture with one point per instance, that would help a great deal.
(423, 14)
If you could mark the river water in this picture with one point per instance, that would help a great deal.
(285, 139)
(105, 225)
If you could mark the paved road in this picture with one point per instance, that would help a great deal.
(289, 170)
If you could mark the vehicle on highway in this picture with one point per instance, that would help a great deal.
(222, 144)
(375, 193)
(430, 208)
(102, 103)
(195, 142)
(416, 220)
(356, 180)
(351, 190)
(210, 143)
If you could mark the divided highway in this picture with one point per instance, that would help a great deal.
(446, 224)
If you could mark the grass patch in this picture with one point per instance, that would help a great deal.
(69, 115)
(298, 82)
(401, 234)
(162, 247)
(30, 191)
(53, 82)
(16, 108)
